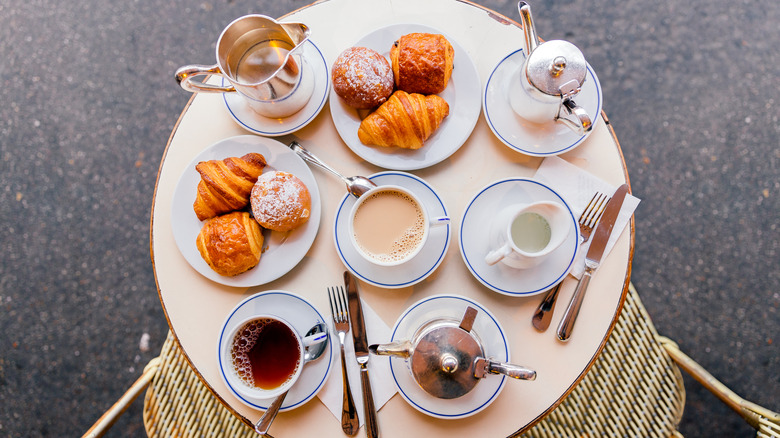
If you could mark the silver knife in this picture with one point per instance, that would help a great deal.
(361, 353)
(592, 260)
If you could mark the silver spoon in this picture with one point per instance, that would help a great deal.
(356, 185)
(311, 353)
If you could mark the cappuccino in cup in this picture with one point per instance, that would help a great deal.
(389, 225)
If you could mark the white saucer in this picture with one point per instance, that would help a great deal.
(494, 342)
(413, 271)
(270, 127)
(300, 314)
(283, 250)
(475, 240)
(532, 138)
(462, 94)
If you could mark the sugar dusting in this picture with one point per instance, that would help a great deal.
(362, 73)
(276, 197)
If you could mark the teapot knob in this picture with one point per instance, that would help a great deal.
(557, 66)
(449, 363)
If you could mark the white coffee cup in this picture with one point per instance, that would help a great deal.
(389, 225)
(524, 234)
(263, 337)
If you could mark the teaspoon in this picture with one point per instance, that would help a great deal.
(356, 185)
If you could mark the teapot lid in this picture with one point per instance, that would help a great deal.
(443, 359)
(557, 68)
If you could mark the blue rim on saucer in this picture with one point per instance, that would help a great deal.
(296, 312)
(413, 271)
(424, 402)
(271, 127)
(504, 279)
(553, 138)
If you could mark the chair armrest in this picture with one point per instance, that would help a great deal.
(112, 414)
(751, 412)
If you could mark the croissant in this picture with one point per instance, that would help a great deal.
(422, 63)
(231, 243)
(225, 185)
(405, 120)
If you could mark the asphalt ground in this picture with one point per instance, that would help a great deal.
(88, 101)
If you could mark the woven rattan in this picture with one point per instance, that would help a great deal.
(633, 389)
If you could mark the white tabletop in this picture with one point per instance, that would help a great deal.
(196, 307)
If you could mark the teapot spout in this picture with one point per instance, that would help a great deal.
(399, 348)
(531, 40)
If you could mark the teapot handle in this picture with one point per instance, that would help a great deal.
(483, 367)
(513, 371)
(582, 122)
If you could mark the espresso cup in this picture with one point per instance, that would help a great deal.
(262, 60)
(525, 234)
(389, 225)
(265, 356)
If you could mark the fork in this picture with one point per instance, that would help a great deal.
(338, 309)
(587, 222)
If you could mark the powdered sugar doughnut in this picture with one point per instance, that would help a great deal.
(362, 77)
(280, 201)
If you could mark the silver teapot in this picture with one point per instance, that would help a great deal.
(446, 357)
(549, 79)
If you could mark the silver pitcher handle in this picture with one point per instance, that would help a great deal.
(580, 122)
(185, 74)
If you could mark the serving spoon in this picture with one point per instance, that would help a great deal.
(310, 353)
(356, 185)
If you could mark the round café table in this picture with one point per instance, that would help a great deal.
(196, 307)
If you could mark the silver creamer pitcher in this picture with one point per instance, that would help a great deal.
(262, 59)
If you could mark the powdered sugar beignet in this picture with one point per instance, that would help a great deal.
(280, 201)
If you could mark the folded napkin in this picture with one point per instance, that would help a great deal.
(382, 385)
(577, 186)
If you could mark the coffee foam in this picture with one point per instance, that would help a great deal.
(243, 341)
(408, 242)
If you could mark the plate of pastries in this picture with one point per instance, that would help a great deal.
(246, 210)
(404, 97)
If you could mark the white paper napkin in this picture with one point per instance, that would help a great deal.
(382, 385)
(577, 186)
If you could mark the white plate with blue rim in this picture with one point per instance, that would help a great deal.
(272, 127)
(421, 265)
(463, 94)
(535, 139)
(494, 343)
(475, 239)
(281, 251)
(302, 315)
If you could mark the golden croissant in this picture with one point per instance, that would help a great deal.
(231, 243)
(225, 185)
(405, 120)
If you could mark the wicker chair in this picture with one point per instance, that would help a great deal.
(635, 388)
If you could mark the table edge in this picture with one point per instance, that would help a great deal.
(501, 19)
